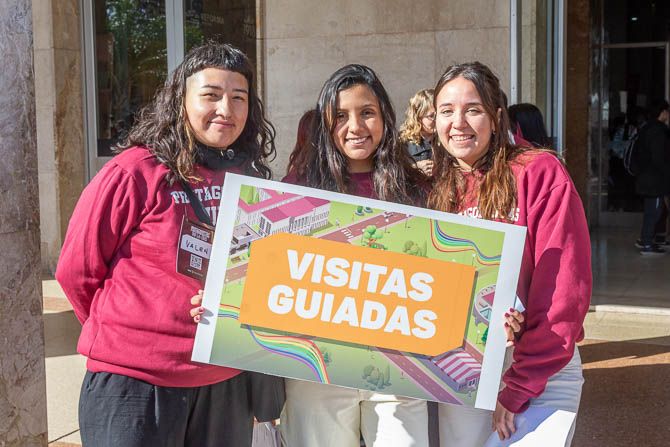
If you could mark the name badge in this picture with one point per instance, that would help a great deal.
(195, 248)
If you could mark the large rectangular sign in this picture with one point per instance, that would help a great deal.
(321, 286)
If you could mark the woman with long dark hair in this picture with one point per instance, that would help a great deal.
(479, 173)
(356, 151)
(338, 160)
(125, 271)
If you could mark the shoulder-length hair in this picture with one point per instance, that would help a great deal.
(162, 125)
(420, 104)
(497, 191)
(303, 144)
(394, 177)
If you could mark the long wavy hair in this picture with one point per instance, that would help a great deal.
(394, 177)
(497, 191)
(162, 125)
(419, 105)
(303, 144)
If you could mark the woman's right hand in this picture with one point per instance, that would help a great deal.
(198, 310)
(513, 321)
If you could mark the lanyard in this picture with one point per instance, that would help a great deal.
(196, 204)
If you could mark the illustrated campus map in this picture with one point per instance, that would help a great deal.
(450, 377)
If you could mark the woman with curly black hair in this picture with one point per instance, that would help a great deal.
(127, 269)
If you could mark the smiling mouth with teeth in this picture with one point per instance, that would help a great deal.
(461, 137)
(357, 140)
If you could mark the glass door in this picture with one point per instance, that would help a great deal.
(630, 76)
(630, 63)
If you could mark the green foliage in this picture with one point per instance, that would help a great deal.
(412, 248)
(249, 194)
(376, 378)
(370, 237)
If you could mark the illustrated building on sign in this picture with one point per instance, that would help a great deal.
(250, 214)
(302, 216)
(463, 370)
(243, 235)
(484, 304)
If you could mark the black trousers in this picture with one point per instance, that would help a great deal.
(119, 411)
(652, 212)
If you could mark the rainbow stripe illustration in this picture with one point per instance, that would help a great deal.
(450, 244)
(304, 351)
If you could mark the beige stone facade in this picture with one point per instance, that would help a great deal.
(300, 43)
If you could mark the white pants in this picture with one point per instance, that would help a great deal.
(471, 427)
(317, 415)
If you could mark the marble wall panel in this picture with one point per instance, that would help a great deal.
(295, 70)
(69, 132)
(42, 35)
(22, 377)
(285, 141)
(488, 46)
(459, 14)
(288, 19)
(46, 162)
(577, 95)
(389, 16)
(405, 62)
(66, 24)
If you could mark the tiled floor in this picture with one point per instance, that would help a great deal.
(623, 281)
(621, 276)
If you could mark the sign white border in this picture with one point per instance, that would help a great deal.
(506, 285)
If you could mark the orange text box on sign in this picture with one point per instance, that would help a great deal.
(356, 294)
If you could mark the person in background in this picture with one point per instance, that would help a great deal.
(418, 129)
(479, 172)
(652, 180)
(119, 265)
(303, 145)
(526, 120)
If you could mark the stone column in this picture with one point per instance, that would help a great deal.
(577, 95)
(23, 416)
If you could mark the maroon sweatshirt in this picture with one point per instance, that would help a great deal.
(555, 278)
(118, 269)
(362, 181)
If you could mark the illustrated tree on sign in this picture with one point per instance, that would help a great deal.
(412, 248)
(371, 235)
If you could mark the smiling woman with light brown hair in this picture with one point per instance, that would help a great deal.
(479, 173)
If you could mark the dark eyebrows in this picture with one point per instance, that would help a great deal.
(367, 105)
(218, 87)
(470, 104)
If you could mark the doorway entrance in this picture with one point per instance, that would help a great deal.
(630, 68)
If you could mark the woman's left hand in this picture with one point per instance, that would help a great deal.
(503, 422)
(198, 310)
